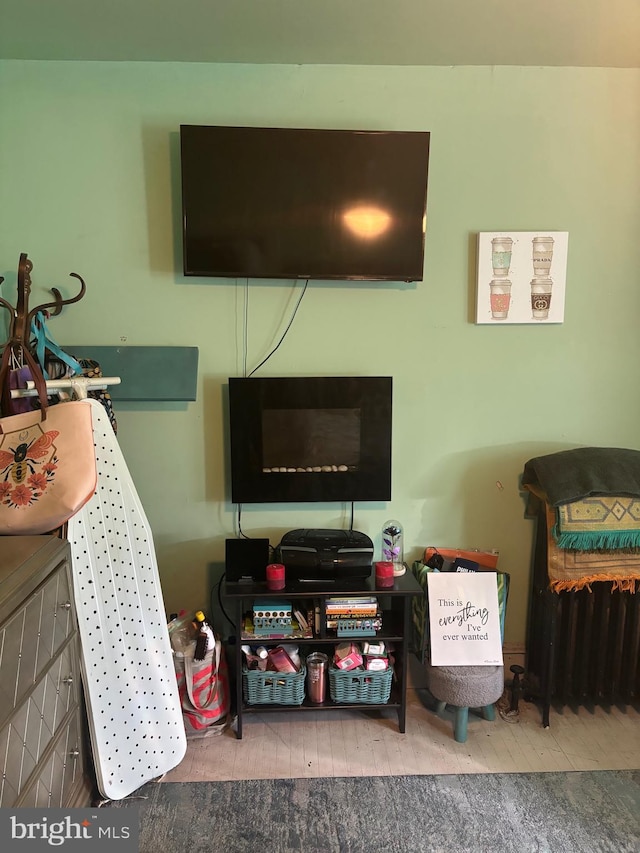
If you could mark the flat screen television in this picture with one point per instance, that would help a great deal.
(268, 202)
(320, 438)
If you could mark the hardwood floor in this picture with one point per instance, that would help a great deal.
(350, 743)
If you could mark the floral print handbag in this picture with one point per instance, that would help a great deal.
(47, 467)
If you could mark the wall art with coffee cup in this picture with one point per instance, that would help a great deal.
(521, 276)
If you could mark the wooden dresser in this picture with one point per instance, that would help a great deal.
(42, 741)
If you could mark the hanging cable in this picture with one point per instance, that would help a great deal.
(241, 533)
(245, 328)
(295, 311)
(218, 587)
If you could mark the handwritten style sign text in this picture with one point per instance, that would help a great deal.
(463, 619)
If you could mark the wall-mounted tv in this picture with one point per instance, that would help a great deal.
(320, 438)
(268, 202)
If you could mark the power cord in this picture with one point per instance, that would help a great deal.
(241, 533)
(295, 311)
(504, 709)
(218, 587)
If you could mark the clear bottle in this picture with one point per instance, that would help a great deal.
(182, 635)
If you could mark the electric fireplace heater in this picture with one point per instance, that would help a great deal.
(310, 439)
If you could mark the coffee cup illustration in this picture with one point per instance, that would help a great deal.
(542, 256)
(500, 296)
(501, 256)
(541, 298)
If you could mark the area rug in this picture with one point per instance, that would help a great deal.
(577, 812)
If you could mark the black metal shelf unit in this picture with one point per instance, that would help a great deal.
(395, 603)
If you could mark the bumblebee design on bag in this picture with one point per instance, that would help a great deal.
(28, 463)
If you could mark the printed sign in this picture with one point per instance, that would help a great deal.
(106, 829)
(464, 619)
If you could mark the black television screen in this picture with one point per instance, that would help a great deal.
(296, 203)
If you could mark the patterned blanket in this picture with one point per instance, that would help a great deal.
(598, 523)
(571, 570)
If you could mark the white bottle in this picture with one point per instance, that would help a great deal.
(293, 653)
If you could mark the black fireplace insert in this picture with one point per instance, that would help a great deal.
(310, 439)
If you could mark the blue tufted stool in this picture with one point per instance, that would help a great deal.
(465, 687)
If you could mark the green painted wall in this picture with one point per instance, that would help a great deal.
(89, 184)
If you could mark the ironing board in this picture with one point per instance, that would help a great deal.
(135, 719)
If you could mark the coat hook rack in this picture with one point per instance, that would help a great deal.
(21, 316)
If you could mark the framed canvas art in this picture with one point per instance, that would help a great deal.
(521, 276)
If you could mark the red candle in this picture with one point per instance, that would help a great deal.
(384, 574)
(275, 576)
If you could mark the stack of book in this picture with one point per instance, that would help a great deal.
(349, 616)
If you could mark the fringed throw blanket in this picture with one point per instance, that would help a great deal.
(599, 523)
(571, 570)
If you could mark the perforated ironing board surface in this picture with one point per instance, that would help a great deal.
(135, 718)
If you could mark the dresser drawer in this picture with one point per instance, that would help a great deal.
(60, 774)
(25, 738)
(32, 636)
(42, 761)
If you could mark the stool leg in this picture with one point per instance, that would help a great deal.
(489, 712)
(460, 724)
(440, 706)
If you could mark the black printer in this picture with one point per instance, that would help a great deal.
(326, 555)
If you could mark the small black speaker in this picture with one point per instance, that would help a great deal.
(246, 559)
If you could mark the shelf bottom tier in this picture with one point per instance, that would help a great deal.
(329, 705)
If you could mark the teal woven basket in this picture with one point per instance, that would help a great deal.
(362, 686)
(273, 688)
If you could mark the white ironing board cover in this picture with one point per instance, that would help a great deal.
(133, 707)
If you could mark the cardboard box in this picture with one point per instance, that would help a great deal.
(347, 656)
